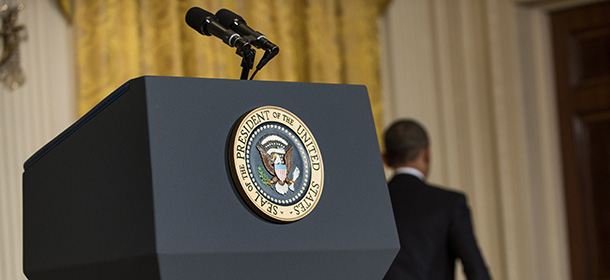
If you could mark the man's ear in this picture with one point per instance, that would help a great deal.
(426, 154)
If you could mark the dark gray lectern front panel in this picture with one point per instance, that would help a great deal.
(141, 188)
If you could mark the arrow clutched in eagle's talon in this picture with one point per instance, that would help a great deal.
(271, 182)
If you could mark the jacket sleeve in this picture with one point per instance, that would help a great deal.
(464, 243)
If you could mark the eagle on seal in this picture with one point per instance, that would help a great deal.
(273, 164)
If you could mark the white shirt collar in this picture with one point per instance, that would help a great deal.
(410, 171)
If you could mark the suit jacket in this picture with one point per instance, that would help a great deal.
(434, 229)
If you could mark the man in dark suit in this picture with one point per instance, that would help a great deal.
(433, 224)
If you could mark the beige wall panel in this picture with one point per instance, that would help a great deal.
(478, 75)
(32, 115)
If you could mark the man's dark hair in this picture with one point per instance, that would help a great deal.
(404, 139)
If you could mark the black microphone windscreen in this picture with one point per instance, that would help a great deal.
(226, 17)
(195, 18)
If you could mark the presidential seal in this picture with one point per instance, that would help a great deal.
(276, 164)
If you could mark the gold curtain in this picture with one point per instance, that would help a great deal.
(328, 41)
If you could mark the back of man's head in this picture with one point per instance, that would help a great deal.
(404, 140)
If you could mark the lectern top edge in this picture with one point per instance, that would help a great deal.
(79, 123)
(90, 115)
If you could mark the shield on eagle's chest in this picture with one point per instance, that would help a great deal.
(280, 171)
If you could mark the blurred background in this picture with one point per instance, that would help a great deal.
(515, 95)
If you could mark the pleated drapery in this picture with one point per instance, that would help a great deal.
(327, 41)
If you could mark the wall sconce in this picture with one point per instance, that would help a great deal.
(11, 73)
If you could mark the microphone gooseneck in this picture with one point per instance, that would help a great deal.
(235, 22)
(207, 24)
(233, 31)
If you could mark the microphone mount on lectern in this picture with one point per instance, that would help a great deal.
(233, 31)
(207, 24)
(235, 22)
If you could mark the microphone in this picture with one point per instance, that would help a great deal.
(207, 24)
(235, 22)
